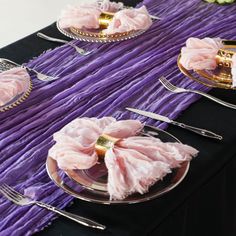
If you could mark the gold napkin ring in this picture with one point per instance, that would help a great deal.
(104, 19)
(224, 62)
(104, 143)
(224, 57)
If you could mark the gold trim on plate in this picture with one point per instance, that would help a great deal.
(205, 78)
(19, 100)
(97, 36)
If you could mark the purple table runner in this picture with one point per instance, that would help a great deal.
(115, 76)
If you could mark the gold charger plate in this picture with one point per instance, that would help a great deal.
(209, 78)
(91, 185)
(221, 77)
(97, 36)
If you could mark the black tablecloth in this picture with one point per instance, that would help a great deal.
(203, 204)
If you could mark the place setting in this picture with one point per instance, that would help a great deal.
(16, 83)
(104, 27)
(104, 22)
(15, 87)
(99, 137)
(95, 181)
(210, 61)
(111, 174)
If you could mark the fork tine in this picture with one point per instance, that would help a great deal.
(8, 195)
(163, 81)
(167, 84)
(12, 191)
(171, 86)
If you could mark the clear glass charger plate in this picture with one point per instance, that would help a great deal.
(90, 185)
(15, 101)
(96, 36)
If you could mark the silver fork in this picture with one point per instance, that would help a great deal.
(22, 200)
(175, 89)
(81, 51)
(8, 63)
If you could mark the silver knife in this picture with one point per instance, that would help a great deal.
(155, 116)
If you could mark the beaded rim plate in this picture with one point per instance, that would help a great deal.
(169, 182)
(20, 97)
(206, 77)
(221, 77)
(97, 36)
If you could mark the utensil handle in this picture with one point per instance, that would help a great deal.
(202, 132)
(79, 219)
(43, 36)
(154, 17)
(214, 99)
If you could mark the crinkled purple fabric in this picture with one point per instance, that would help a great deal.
(114, 76)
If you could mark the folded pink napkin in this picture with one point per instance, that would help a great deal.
(129, 19)
(134, 163)
(83, 15)
(13, 82)
(199, 54)
(87, 16)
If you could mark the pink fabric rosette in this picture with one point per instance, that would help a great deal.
(199, 54)
(134, 163)
(13, 82)
(87, 16)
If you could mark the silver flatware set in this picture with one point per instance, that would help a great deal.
(6, 64)
(23, 200)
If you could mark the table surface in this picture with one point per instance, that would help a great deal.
(203, 204)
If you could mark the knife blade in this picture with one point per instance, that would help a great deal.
(155, 116)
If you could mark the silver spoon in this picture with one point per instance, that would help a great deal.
(8, 64)
(81, 51)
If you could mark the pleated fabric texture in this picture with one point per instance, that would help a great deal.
(114, 76)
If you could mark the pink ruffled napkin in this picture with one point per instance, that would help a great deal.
(13, 82)
(129, 19)
(199, 54)
(107, 6)
(87, 16)
(134, 163)
(83, 15)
